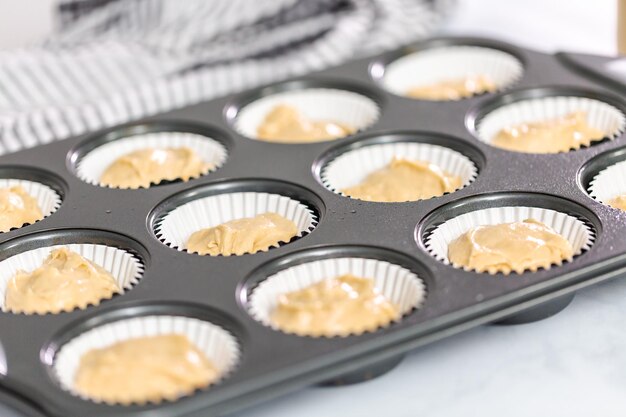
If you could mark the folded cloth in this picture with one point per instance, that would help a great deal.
(113, 61)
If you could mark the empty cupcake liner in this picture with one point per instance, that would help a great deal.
(609, 183)
(579, 234)
(340, 106)
(125, 267)
(91, 167)
(351, 168)
(600, 115)
(175, 227)
(399, 285)
(218, 345)
(435, 65)
(48, 199)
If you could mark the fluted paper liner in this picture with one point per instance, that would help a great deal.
(351, 168)
(435, 65)
(48, 199)
(175, 228)
(576, 231)
(345, 107)
(217, 344)
(399, 285)
(91, 167)
(125, 267)
(609, 183)
(600, 115)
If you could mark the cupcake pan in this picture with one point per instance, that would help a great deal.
(218, 290)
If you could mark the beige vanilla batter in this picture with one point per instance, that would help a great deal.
(17, 208)
(550, 136)
(63, 282)
(510, 247)
(618, 202)
(145, 369)
(247, 235)
(454, 89)
(404, 180)
(336, 306)
(286, 124)
(148, 166)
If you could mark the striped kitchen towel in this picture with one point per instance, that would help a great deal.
(113, 61)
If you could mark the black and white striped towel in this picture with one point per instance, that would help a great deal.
(113, 61)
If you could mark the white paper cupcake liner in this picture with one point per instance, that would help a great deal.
(48, 199)
(600, 115)
(351, 168)
(399, 285)
(435, 65)
(609, 183)
(91, 167)
(125, 267)
(344, 107)
(175, 228)
(580, 235)
(218, 345)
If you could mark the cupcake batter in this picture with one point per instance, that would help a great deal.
(510, 247)
(404, 180)
(618, 202)
(336, 306)
(148, 166)
(453, 89)
(550, 136)
(65, 281)
(17, 208)
(144, 369)
(286, 124)
(247, 235)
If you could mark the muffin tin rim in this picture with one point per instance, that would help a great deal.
(429, 222)
(451, 142)
(136, 129)
(294, 191)
(249, 283)
(131, 309)
(476, 113)
(378, 65)
(235, 104)
(72, 235)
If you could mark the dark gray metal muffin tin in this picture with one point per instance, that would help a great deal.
(216, 288)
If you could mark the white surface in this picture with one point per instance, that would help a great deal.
(569, 365)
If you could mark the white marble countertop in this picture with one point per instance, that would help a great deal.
(572, 364)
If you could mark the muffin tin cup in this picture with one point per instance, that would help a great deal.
(430, 66)
(609, 183)
(600, 115)
(352, 167)
(125, 267)
(577, 232)
(348, 108)
(399, 285)
(47, 198)
(175, 227)
(93, 164)
(217, 344)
